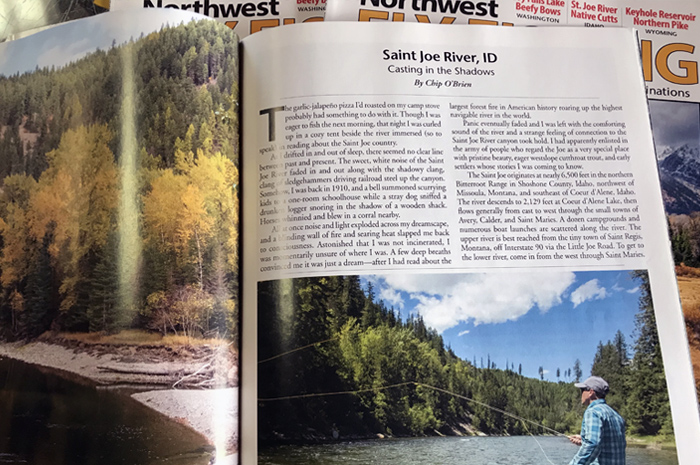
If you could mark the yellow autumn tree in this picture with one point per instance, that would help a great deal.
(15, 254)
(175, 220)
(75, 202)
(217, 178)
(190, 214)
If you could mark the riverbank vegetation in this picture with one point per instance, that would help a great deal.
(659, 442)
(334, 359)
(92, 242)
(134, 337)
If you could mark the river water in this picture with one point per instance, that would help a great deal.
(517, 450)
(49, 419)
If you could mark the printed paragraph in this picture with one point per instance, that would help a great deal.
(383, 184)
(532, 187)
(341, 181)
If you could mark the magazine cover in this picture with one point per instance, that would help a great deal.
(244, 17)
(119, 255)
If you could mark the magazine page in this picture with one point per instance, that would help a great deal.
(669, 35)
(448, 227)
(118, 255)
(245, 17)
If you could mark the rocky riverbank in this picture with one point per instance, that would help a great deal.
(212, 412)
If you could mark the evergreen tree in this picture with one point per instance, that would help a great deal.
(648, 408)
(621, 349)
(41, 301)
(370, 311)
(103, 312)
(611, 363)
(352, 297)
(682, 248)
(577, 371)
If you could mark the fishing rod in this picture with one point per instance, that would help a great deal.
(296, 350)
(524, 421)
(417, 384)
(435, 388)
(512, 415)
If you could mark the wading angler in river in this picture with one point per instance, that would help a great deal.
(602, 437)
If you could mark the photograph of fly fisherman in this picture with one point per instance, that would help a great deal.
(488, 366)
(602, 435)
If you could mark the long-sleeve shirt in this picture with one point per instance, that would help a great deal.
(602, 436)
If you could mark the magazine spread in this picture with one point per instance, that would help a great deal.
(434, 252)
(452, 226)
(245, 17)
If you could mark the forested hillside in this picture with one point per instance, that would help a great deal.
(67, 190)
(333, 357)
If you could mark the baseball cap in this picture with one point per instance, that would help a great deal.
(596, 383)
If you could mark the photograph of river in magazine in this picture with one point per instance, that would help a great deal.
(119, 242)
(374, 368)
(517, 450)
(49, 419)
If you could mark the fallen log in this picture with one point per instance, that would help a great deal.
(154, 371)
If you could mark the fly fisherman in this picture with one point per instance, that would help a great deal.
(602, 438)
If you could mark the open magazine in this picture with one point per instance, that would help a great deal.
(431, 248)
